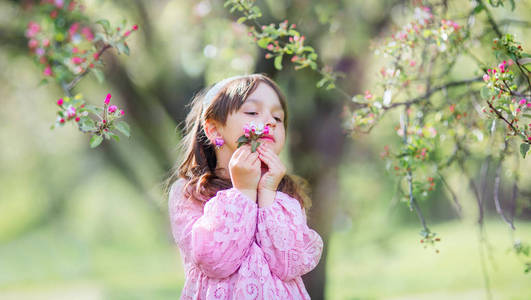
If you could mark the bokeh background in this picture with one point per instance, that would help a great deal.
(81, 223)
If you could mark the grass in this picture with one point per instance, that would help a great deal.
(398, 267)
(384, 263)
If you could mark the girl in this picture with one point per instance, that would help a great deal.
(238, 219)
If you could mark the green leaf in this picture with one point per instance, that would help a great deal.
(123, 127)
(122, 47)
(242, 139)
(485, 93)
(114, 136)
(263, 42)
(98, 74)
(512, 4)
(105, 24)
(524, 147)
(278, 62)
(93, 109)
(86, 124)
(321, 82)
(95, 141)
(254, 145)
(241, 20)
(43, 82)
(478, 9)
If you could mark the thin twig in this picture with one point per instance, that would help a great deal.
(71, 85)
(433, 90)
(497, 180)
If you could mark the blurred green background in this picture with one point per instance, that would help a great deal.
(77, 223)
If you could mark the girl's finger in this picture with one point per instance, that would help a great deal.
(272, 158)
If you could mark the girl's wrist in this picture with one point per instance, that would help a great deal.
(266, 197)
(250, 193)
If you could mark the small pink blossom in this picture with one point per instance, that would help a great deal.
(70, 112)
(368, 95)
(122, 112)
(270, 47)
(40, 52)
(73, 29)
(48, 72)
(135, 27)
(112, 108)
(108, 98)
(522, 102)
(76, 60)
(33, 43)
(77, 119)
(87, 33)
(60, 102)
(486, 77)
(33, 29)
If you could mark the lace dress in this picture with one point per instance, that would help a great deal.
(233, 249)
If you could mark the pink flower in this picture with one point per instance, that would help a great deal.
(529, 138)
(48, 72)
(70, 112)
(77, 119)
(46, 43)
(76, 60)
(61, 120)
(412, 63)
(33, 29)
(127, 33)
(502, 67)
(87, 33)
(73, 29)
(368, 95)
(33, 43)
(518, 110)
(60, 102)
(522, 102)
(75, 50)
(529, 105)
(40, 52)
(270, 47)
(486, 77)
(122, 112)
(135, 27)
(112, 108)
(108, 98)
(266, 129)
(59, 3)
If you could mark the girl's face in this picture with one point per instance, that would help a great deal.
(261, 106)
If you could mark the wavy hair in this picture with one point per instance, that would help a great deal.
(198, 165)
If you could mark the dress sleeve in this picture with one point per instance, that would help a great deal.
(290, 246)
(217, 237)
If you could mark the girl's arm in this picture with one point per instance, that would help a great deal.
(290, 246)
(217, 237)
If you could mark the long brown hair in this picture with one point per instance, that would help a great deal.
(198, 165)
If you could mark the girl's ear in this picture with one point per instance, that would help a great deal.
(211, 130)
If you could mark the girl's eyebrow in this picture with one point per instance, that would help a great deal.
(275, 107)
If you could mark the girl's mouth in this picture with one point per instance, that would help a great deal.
(267, 138)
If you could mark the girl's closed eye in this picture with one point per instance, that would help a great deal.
(255, 113)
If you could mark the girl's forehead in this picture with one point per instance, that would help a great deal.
(274, 103)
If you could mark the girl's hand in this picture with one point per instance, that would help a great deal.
(276, 169)
(244, 168)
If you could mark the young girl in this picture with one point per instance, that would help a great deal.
(238, 219)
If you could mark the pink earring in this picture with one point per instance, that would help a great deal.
(219, 142)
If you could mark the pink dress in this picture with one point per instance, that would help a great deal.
(233, 249)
